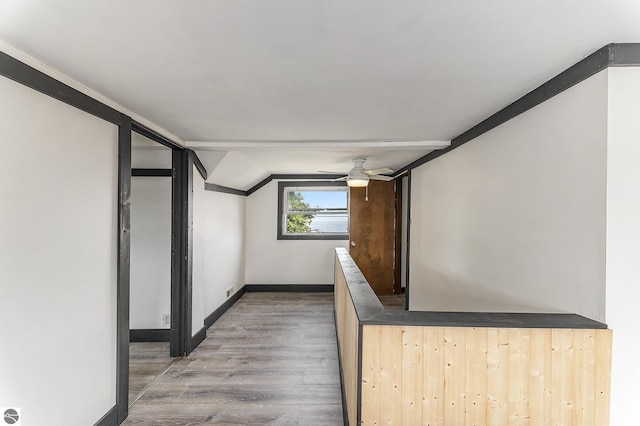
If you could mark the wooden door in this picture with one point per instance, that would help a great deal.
(372, 233)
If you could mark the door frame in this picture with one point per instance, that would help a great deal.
(179, 240)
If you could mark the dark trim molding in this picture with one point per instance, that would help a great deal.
(196, 339)
(24, 74)
(187, 253)
(281, 235)
(611, 55)
(625, 54)
(407, 262)
(109, 419)
(151, 172)
(149, 335)
(124, 257)
(219, 188)
(259, 185)
(359, 379)
(292, 288)
(319, 176)
(199, 165)
(155, 136)
(179, 229)
(215, 315)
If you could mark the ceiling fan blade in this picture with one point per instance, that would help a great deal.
(381, 177)
(381, 171)
(339, 179)
(331, 173)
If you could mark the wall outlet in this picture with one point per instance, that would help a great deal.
(229, 291)
(166, 319)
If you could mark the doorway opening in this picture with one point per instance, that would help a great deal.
(376, 238)
(150, 273)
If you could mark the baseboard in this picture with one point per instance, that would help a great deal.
(109, 419)
(197, 338)
(213, 317)
(294, 288)
(149, 335)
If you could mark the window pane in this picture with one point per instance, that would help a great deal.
(317, 199)
(314, 210)
(330, 223)
(299, 223)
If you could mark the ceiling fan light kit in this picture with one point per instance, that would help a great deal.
(357, 182)
(358, 177)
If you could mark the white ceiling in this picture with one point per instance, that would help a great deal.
(308, 70)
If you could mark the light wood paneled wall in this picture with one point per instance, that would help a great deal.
(347, 329)
(421, 375)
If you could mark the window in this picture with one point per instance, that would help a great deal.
(313, 211)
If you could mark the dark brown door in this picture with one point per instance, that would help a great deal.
(371, 233)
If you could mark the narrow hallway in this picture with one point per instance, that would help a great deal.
(270, 359)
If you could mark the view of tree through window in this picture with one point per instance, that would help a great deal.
(298, 223)
(317, 211)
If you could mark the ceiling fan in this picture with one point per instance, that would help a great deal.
(358, 177)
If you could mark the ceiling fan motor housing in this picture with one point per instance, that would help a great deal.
(357, 177)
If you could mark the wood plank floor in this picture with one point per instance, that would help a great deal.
(393, 302)
(147, 362)
(271, 359)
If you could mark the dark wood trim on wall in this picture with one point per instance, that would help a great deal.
(293, 288)
(259, 185)
(315, 176)
(124, 256)
(215, 315)
(225, 189)
(196, 161)
(155, 136)
(179, 229)
(196, 339)
(151, 172)
(109, 419)
(611, 55)
(24, 74)
(188, 253)
(359, 379)
(182, 341)
(408, 242)
(319, 176)
(624, 54)
(149, 335)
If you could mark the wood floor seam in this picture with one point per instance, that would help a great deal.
(271, 359)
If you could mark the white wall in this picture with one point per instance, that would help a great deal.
(218, 249)
(623, 239)
(273, 261)
(515, 220)
(224, 233)
(150, 158)
(150, 296)
(58, 186)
